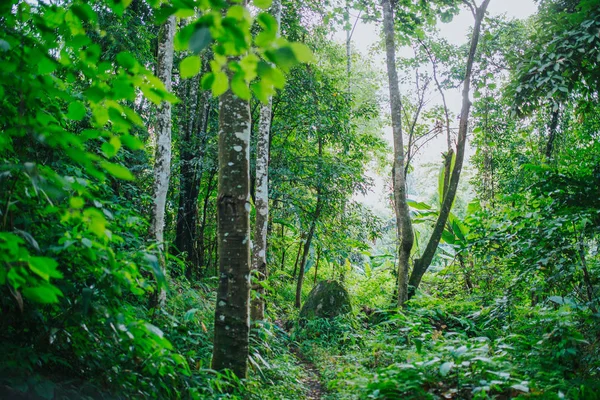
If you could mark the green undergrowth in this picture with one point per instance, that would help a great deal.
(438, 349)
(141, 352)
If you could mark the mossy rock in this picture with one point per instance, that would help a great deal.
(327, 300)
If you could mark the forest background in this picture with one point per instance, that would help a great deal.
(176, 178)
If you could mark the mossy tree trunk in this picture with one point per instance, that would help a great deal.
(232, 324)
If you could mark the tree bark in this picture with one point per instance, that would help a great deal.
(297, 258)
(192, 151)
(162, 162)
(317, 266)
(403, 222)
(186, 215)
(422, 264)
(201, 248)
(552, 134)
(232, 325)
(261, 200)
(307, 243)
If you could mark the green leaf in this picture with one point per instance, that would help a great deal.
(132, 142)
(116, 170)
(207, 81)
(200, 39)
(263, 90)
(283, 57)
(76, 111)
(45, 294)
(220, 84)
(46, 66)
(189, 66)
(76, 202)
(159, 275)
(264, 4)
(44, 267)
(189, 315)
(302, 52)
(126, 60)
(4, 45)
(111, 148)
(520, 388)
(239, 87)
(445, 368)
(418, 205)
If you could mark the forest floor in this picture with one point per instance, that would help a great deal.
(312, 379)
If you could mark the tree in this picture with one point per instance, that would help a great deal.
(422, 263)
(403, 222)
(162, 162)
(261, 199)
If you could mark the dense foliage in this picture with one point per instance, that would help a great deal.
(509, 307)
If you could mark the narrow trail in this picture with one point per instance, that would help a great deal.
(312, 381)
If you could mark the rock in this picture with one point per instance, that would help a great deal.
(327, 300)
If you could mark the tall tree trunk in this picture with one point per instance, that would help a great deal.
(186, 217)
(232, 311)
(297, 257)
(403, 222)
(192, 151)
(162, 163)
(552, 134)
(261, 200)
(283, 248)
(422, 264)
(307, 243)
(317, 266)
(200, 246)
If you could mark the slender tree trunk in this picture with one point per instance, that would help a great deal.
(403, 222)
(259, 254)
(192, 148)
(232, 313)
(422, 264)
(283, 248)
(259, 243)
(297, 258)
(186, 217)
(261, 200)
(552, 134)
(309, 237)
(201, 247)
(317, 266)
(162, 163)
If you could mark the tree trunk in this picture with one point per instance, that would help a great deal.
(261, 200)
(230, 349)
(192, 154)
(283, 248)
(186, 215)
(552, 134)
(317, 266)
(201, 248)
(162, 162)
(309, 238)
(403, 222)
(297, 258)
(422, 264)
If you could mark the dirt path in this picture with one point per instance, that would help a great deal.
(312, 382)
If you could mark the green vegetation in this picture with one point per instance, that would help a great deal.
(177, 176)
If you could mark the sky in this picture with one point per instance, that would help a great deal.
(363, 40)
